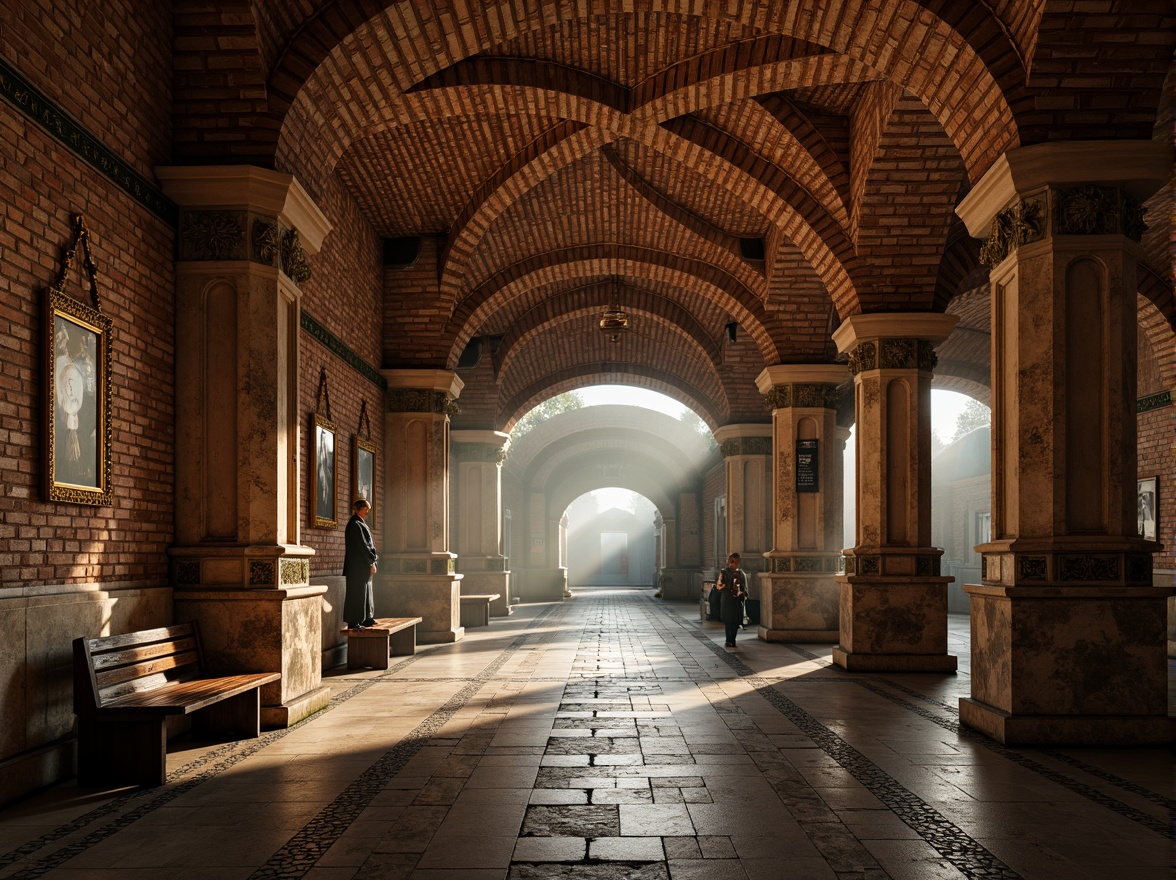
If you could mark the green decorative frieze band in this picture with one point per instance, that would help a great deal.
(39, 109)
(479, 452)
(1153, 401)
(336, 346)
(746, 446)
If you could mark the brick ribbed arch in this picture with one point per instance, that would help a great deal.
(713, 412)
(572, 304)
(596, 260)
(909, 42)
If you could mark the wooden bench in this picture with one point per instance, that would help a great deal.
(475, 608)
(126, 686)
(372, 645)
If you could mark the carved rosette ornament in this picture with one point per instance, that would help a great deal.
(212, 235)
(1020, 224)
(863, 358)
(294, 262)
(420, 400)
(746, 446)
(1097, 210)
(266, 242)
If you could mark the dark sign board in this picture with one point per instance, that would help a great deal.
(808, 477)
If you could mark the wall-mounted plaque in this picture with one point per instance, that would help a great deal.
(808, 478)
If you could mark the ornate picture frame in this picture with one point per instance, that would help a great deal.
(1148, 506)
(363, 474)
(76, 365)
(324, 495)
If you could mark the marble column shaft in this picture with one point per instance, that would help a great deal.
(238, 565)
(1068, 632)
(800, 597)
(417, 573)
(747, 455)
(477, 513)
(893, 599)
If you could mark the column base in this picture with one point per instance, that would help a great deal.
(434, 599)
(488, 583)
(894, 662)
(1074, 665)
(1067, 730)
(893, 624)
(294, 710)
(263, 630)
(827, 636)
(799, 607)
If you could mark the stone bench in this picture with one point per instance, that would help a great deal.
(126, 687)
(475, 608)
(371, 646)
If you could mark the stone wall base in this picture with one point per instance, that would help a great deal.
(799, 608)
(1067, 730)
(294, 710)
(433, 598)
(37, 768)
(540, 584)
(680, 583)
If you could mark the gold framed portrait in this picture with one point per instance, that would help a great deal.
(323, 484)
(76, 406)
(363, 474)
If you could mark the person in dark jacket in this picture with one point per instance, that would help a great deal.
(359, 564)
(732, 585)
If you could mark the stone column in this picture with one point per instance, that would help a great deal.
(238, 566)
(1068, 632)
(477, 508)
(893, 599)
(747, 454)
(417, 576)
(799, 592)
(680, 574)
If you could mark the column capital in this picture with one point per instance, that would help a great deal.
(806, 374)
(248, 188)
(1139, 168)
(472, 437)
(445, 381)
(745, 439)
(932, 327)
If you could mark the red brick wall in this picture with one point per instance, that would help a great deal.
(344, 295)
(108, 65)
(41, 184)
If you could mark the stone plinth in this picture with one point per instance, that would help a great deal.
(1081, 666)
(800, 598)
(483, 583)
(264, 630)
(894, 624)
(433, 598)
(540, 584)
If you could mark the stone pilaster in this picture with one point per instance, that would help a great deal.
(893, 599)
(418, 573)
(238, 565)
(747, 455)
(1068, 632)
(799, 596)
(477, 513)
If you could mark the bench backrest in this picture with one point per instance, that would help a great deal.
(112, 666)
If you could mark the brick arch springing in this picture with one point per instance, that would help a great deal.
(593, 261)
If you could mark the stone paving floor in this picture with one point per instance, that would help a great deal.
(613, 736)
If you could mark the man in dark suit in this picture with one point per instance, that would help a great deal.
(359, 564)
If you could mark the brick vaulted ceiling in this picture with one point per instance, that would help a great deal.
(777, 165)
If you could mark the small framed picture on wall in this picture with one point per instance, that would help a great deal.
(363, 474)
(1148, 505)
(322, 480)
